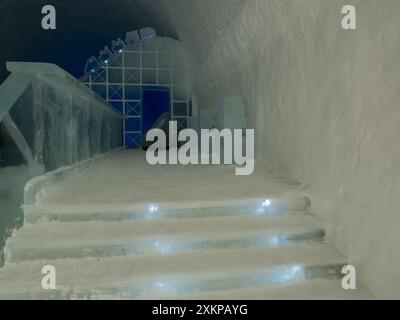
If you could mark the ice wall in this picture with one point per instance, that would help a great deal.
(325, 105)
(62, 121)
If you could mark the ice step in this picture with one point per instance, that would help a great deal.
(285, 282)
(314, 289)
(57, 240)
(317, 289)
(69, 213)
(177, 274)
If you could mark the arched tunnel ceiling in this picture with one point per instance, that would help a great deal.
(200, 23)
(85, 26)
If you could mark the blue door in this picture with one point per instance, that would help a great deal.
(140, 115)
(155, 103)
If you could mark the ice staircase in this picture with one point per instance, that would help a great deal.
(266, 249)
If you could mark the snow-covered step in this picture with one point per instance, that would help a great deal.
(284, 282)
(69, 213)
(312, 289)
(177, 274)
(56, 240)
(316, 289)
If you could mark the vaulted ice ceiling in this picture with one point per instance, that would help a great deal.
(85, 26)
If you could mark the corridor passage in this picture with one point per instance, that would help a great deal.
(305, 92)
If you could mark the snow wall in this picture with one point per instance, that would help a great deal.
(325, 105)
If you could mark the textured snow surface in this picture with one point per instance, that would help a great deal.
(12, 182)
(144, 271)
(125, 179)
(230, 247)
(55, 233)
(324, 103)
(314, 290)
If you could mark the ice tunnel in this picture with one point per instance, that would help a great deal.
(315, 81)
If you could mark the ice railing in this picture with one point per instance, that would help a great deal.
(44, 101)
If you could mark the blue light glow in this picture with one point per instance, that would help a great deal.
(153, 208)
(266, 203)
(163, 247)
(292, 274)
(273, 241)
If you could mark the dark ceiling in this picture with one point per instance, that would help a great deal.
(83, 28)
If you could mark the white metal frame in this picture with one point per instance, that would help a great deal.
(140, 49)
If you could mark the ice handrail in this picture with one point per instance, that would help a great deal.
(22, 75)
(40, 70)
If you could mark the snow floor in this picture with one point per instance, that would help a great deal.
(124, 179)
